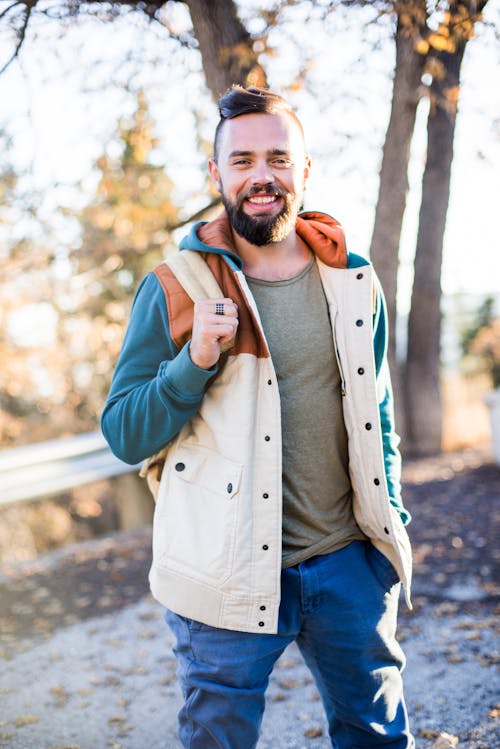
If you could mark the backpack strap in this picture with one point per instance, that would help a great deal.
(198, 281)
(194, 275)
(196, 278)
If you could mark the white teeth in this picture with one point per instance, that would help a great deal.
(262, 200)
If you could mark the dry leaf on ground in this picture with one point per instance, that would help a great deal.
(313, 733)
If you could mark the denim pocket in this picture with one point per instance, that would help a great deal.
(381, 567)
(195, 626)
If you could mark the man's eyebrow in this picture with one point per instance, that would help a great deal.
(240, 153)
(272, 151)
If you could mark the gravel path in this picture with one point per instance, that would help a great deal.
(110, 682)
(86, 661)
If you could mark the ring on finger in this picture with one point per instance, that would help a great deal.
(219, 308)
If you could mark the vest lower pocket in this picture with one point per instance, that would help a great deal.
(196, 514)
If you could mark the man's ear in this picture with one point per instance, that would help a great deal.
(213, 171)
(307, 169)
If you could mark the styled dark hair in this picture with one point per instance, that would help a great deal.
(238, 100)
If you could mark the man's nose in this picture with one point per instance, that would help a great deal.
(261, 173)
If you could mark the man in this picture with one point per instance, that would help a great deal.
(279, 515)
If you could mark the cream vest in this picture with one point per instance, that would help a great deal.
(217, 524)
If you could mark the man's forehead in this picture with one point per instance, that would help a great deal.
(255, 132)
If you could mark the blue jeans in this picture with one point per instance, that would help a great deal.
(341, 609)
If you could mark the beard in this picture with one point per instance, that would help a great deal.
(262, 230)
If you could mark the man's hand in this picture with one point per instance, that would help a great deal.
(215, 322)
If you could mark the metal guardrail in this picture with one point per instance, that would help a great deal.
(35, 471)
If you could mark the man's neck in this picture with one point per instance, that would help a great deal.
(276, 261)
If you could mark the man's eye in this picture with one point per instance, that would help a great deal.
(240, 162)
(282, 162)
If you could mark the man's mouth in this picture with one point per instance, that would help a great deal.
(262, 199)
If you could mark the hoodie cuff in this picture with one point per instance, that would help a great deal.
(183, 378)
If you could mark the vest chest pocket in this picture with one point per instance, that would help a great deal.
(196, 517)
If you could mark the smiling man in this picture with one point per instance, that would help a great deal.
(262, 189)
(279, 515)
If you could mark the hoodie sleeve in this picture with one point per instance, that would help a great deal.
(156, 389)
(390, 439)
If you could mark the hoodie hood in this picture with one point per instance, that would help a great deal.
(322, 233)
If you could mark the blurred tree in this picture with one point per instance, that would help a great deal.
(480, 342)
(127, 224)
(485, 347)
(8, 183)
(483, 317)
(64, 313)
(430, 38)
(8, 178)
(446, 48)
(24, 259)
(226, 47)
(125, 232)
(393, 186)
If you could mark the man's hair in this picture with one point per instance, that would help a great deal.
(238, 100)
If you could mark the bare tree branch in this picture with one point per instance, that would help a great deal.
(29, 5)
(7, 10)
(106, 10)
(186, 39)
(196, 216)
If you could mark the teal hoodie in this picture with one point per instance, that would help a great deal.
(156, 388)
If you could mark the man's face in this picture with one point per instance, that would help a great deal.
(261, 171)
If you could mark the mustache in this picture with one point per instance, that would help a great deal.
(269, 188)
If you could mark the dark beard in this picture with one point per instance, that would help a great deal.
(262, 230)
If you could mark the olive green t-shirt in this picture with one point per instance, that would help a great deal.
(317, 495)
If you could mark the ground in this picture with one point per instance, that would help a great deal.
(86, 659)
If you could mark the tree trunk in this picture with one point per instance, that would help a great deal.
(423, 397)
(226, 47)
(393, 189)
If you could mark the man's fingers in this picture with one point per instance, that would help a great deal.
(222, 329)
(215, 323)
(217, 307)
(214, 320)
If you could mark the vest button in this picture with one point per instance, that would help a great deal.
(265, 547)
(359, 323)
(359, 276)
(229, 488)
(386, 530)
(179, 466)
(261, 624)
(368, 426)
(361, 371)
(376, 482)
(262, 608)
(265, 495)
(267, 438)
(269, 382)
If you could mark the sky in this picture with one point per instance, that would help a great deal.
(62, 98)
